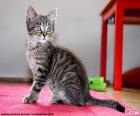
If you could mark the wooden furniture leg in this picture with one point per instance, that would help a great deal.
(103, 50)
(118, 50)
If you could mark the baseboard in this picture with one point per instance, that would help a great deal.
(15, 80)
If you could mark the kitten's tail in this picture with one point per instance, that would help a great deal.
(106, 103)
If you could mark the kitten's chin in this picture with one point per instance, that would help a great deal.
(43, 41)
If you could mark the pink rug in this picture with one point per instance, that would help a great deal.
(11, 96)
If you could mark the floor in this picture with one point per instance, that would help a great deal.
(11, 96)
(128, 95)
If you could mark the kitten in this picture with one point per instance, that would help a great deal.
(61, 69)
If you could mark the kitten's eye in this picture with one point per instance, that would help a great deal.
(49, 30)
(38, 28)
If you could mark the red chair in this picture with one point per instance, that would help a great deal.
(124, 12)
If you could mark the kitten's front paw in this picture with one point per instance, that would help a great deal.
(29, 100)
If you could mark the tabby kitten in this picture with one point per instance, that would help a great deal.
(58, 67)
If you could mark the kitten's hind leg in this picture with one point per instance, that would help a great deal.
(35, 90)
(56, 100)
(74, 97)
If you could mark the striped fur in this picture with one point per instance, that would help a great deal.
(58, 67)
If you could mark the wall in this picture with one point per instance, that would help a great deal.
(131, 54)
(79, 29)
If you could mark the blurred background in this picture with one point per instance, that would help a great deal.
(78, 27)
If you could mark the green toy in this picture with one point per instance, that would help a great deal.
(97, 83)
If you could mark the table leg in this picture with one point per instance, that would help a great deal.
(103, 49)
(118, 50)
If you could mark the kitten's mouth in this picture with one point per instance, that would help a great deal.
(43, 41)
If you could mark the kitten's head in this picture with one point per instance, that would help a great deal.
(40, 28)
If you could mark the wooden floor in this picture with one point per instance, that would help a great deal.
(128, 96)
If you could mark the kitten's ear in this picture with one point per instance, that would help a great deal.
(31, 13)
(53, 15)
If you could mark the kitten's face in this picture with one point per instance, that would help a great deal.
(40, 28)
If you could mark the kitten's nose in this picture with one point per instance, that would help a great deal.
(44, 33)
